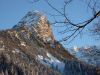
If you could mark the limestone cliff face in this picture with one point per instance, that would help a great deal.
(44, 30)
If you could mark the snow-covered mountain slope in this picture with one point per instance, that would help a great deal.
(89, 54)
(29, 48)
(52, 62)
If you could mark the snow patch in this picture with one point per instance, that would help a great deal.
(51, 61)
(16, 51)
(40, 57)
(23, 44)
(76, 49)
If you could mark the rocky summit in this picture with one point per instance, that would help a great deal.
(37, 23)
(29, 48)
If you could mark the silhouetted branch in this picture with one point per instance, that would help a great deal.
(73, 28)
(76, 27)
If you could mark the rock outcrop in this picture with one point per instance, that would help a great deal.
(36, 22)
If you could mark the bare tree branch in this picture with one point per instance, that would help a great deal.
(73, 28)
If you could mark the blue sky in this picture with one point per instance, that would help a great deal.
(11, 11)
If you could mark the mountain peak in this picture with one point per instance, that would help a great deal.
(31, 18)
(37, 23)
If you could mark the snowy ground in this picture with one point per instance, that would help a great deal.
(51, 61)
